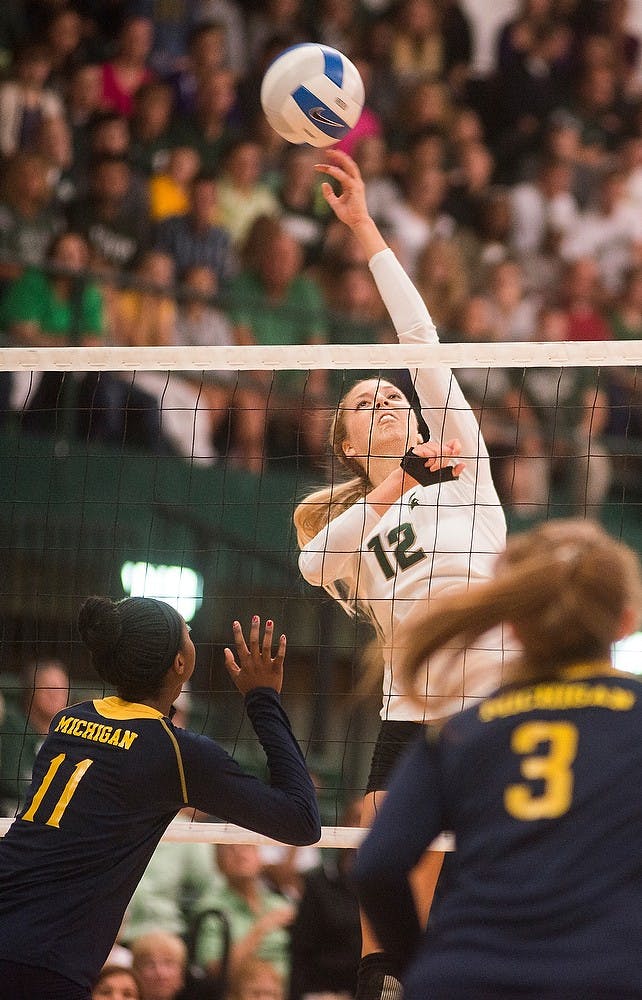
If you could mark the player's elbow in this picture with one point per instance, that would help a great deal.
(305, 830)
(311, 567)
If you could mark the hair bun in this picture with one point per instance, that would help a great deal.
(99, 624)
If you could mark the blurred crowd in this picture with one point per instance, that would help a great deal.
(144, 200)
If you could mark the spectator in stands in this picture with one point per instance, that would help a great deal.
(242, 195)
(28, 218)
(277, 17)
(419, 216)
(625, 316)
(25, 100)
(513, 311)
(151, 121)
(384, 89)
(58, 307)
(55, 146)
(470, 176)
(630, 161)
(562, 141)
(44, 691)
(227, 13)
(110, 135)
(382, 191)
(423, 108)
(159, 962)
(543, 208)
(301, 207)
(258, 918)
(128, 70)
(613, 24)
(599, 105)
(64, 39)
(13, 29)
(206, 53)
(209, 128)
(442, 281)
(193, 239)
(339, 24)
(114, 231)
(624, 387)
(255, 980)
(200, 322)
(273, 302)
(583, 299)
(169, 189)
(82, 103)
(116, 982)
(564, 413)
(169, 893)
(326, 931)
(418, 48)
(491, 236)
(608, 232)
(534, 72)
(146, 317)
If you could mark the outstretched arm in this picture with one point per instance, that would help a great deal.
(444, 406)
(350, 204)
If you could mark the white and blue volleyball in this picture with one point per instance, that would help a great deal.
(312, 94)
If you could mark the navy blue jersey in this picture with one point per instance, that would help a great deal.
(542, 786)
(109, 778)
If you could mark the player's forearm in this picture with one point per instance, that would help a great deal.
(382, 497)
(368, 235)
(407, 309)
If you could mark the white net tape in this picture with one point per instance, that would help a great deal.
(328, 356)
(181, 831)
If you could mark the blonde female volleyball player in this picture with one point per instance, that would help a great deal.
(111, 775)
(540, 784)
(413, 522)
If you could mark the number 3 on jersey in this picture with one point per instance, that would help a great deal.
(552, 767)
(400, 540)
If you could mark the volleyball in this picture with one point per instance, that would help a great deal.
(312, 94)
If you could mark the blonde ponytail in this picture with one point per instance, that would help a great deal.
(564, 587)
(322, 506)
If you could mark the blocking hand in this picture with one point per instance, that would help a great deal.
(254, 666)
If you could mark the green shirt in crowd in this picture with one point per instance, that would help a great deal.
(32, 298)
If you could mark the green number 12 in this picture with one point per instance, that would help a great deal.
(400, 540)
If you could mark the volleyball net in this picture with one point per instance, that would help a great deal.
(175, 472)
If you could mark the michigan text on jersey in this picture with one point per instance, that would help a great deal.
(557, 696)
(96, 731)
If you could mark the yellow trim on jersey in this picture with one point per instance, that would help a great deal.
(179, 759)
(559, 694)
(117, 708)
(584, 671)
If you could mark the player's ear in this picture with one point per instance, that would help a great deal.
(348, 450)
(179, 664)
(628, 623)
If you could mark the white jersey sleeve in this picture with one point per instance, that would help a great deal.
(443, 405)
(333, 554)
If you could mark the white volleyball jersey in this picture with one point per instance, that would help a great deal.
(433, 539)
